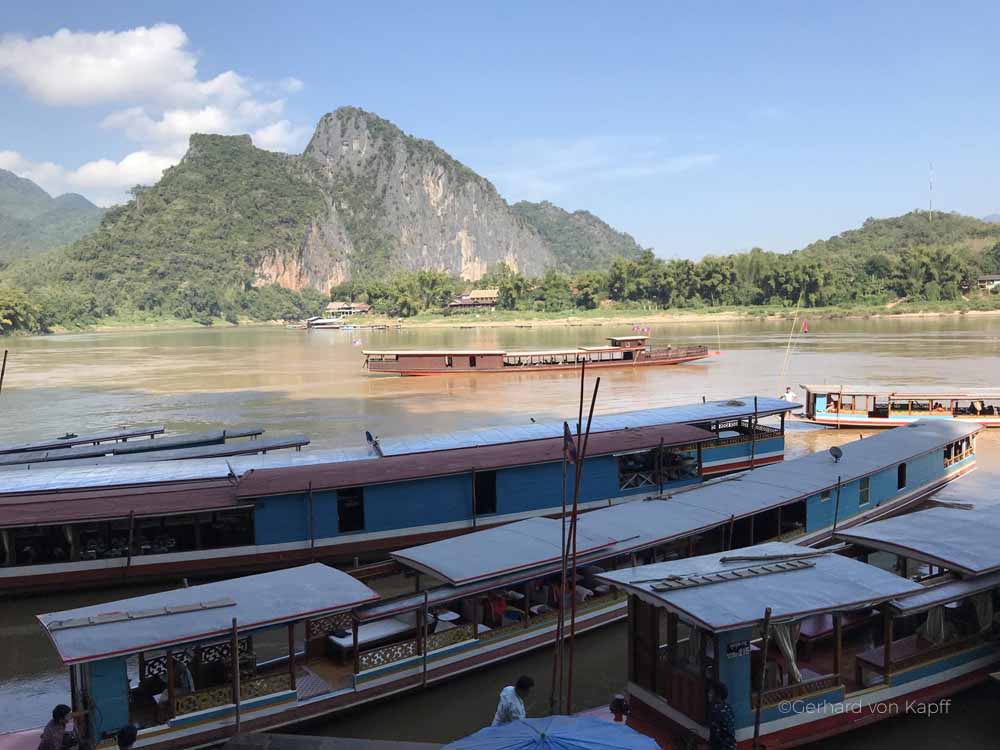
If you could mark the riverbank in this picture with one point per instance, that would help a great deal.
(630, 316)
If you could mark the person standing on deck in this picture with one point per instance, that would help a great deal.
(511, 705)
(790, 395)
(55, 736)
(721, 722)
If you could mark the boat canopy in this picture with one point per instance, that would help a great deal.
(957, 539)
(948, 591)
(813, 583)
(712, 411)
(198, 613)
(498, 551)
(406, 466)
(903, 393)
(433, 352)
(782, 483)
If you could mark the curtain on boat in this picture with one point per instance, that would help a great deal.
(933, 629)
(984, 610)
(786, 635)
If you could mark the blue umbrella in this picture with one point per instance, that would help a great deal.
(556, 733)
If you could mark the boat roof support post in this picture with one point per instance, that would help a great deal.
(235, 660)
(760, 677)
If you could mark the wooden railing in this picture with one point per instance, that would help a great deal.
(196, 657)
(394, 652)
(937, 652)
(222, 695)
(957, 457)
(323, 626)
(791, 692)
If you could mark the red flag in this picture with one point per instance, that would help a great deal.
(569, 447)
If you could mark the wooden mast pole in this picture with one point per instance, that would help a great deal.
(763, 672)
(235, 658)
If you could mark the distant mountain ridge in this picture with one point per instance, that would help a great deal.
(32, 221)
(579, 241)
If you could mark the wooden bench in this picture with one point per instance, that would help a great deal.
(874, 659)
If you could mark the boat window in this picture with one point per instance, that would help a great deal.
(486, 492)
(34, 545)
(864, 491)
(448, 362)
(793, 519)
(900, 476)
(351, 509)
(472, 361)
(824, 496)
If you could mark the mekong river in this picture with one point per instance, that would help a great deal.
(313, 383)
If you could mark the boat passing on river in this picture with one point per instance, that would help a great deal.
(312, 641)
(851, 639)
(620, 351)
(875, 406)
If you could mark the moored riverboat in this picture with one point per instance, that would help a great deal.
(874, 406)
(620, 351)
(478, 599)
(109, 523)
(844, 642)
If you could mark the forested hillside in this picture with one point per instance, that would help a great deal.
(32, 221)
(579, 241)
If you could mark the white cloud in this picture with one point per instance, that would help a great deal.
(280, 136)
(542, 168)
(151, 76)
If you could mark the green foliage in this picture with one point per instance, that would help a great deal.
(403, 295)
(579, 241)
(31, 221)
(18, 312)
(187, 247)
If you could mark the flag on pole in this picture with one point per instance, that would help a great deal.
(569, 446)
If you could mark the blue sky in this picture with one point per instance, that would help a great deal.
(695, 130)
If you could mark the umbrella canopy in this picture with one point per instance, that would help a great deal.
(556, 733)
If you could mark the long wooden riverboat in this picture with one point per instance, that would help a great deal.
(106, 522)
(873, 406)
(850, 642)
(312, 641)
(620, 351)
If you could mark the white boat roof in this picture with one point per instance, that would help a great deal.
(782, 483)
(958, 539)
(829, 584)
(499, 550)
(204, 612)
(948, 591)
(433, 352)
(710, 411)
(921, 392)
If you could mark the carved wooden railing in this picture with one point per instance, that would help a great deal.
(458, 634)
(323, 626)
(939, 651)
(379, 657)
(791, 692)
(200, 655)
(222, 695)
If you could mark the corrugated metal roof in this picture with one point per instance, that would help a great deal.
(499, 550)
(260, 600)
(52, 478)
(687, 414)
(831, 583)
(953, 538)
(778, 484)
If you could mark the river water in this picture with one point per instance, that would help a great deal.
(312, 382)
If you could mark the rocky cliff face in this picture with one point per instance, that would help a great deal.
(405, 203)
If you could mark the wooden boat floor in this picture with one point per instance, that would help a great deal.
(322, 675)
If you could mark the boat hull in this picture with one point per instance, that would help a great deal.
(855, 421)
(543, 368)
